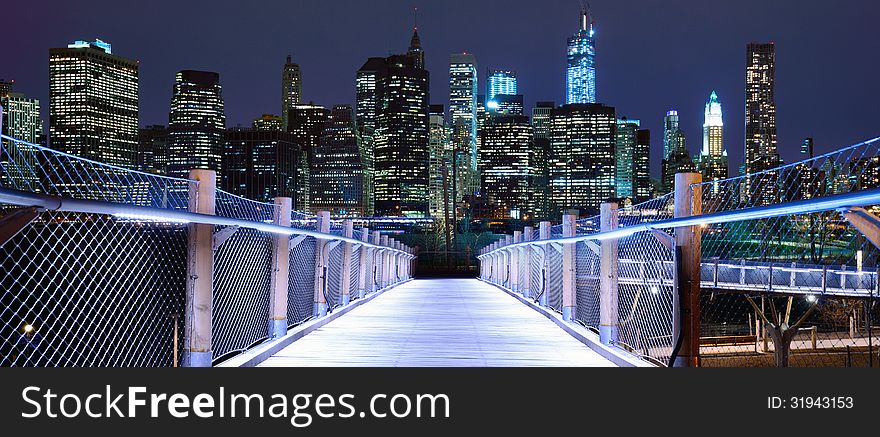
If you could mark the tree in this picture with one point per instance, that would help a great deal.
(781, 333)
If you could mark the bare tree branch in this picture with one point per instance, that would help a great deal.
(758, 310)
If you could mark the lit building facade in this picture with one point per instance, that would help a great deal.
(259, 164)
(306, 122)
(760, 123)
(580, 75)
(507, 171)
(676, 157)
(93, 103)
(542, 118)
(337, 174)
(499, 82)
(268, 122)
(713, 155)
(440, 162)
(153, 148)
(21, 120)
(506, 104)
(581, 167)
(463, 120)
(196, 124)
(291, 88)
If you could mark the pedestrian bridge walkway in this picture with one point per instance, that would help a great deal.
(439, 323)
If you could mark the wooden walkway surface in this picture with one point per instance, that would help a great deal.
(439, 323)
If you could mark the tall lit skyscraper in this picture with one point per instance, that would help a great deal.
(337, 176)
(196, 124)
(368, 78)
(580, 76)
(713, 155)
(507, 171)
(392, 117)
(259, 164)
(582, 170)
(463, 120)
(671, 129)
(415, 51)
(440, 162)
(642, 188)
(626, 140)
(306, 122)
(499, 82)
(541, 124)
(93, 103)
(760, 127)
(291, 88)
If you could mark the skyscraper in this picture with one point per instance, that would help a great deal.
(507, 170)
(676, 157)
(642, 188)
(415, 50)
(760, 126)
(259, 164)
(153, 148)
(93, 103)
(581, 165)
(499, 82)
(291, 88)
(306, 122)
(20, 120)
(580, 76)
(626, 140)
(337, 176)
(440, 162)
(196, 123)
(713, 155)
(463, 120)
(392, 126)
(368, 77)
(541, 124)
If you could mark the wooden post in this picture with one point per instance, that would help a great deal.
(386, 263)
(686, 302)
(199, 272)
(280, 280)
(514, 263)
(544, 234)
(323, 226)
(527, 285)
(375, 273)
(569, 270)
(362, 269)
(345, 286)
(608, 292)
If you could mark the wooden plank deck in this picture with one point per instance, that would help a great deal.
(439, 323)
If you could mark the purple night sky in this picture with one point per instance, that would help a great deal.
(651, 55)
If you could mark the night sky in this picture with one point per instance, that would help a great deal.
(651, 55)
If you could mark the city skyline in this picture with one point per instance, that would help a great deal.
(536, 53)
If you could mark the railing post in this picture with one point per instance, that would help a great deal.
(527, 260)
(375, 273)
(345, 286)
(506, 259)
(686, 302)
(362, 269)
(386, 262)
(569, 270)
(544, 234)
(280, 280)
(199, 272)
(514, 263)
(323, 226)
(608, 291)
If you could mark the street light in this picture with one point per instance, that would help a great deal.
(28, 328)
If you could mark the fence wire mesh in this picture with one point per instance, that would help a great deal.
(92, 290)
(30, 167)
(301, 281)
(587, 283)
(242, 275)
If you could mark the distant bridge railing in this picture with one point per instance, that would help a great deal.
(104, 266)
(718, 262)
